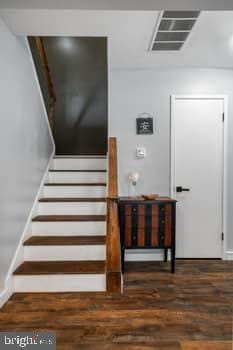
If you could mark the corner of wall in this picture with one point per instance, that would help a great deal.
(8, 288)
(18, 258)
(228, 255)
(7, 292)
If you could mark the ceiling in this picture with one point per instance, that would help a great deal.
(118, 4)
(210, 44)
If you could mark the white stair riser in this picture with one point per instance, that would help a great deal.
(88, 228)
(60, 283)
(74, 191)
(64, 253)
(76, 177)
(72, 208)
(79, 164)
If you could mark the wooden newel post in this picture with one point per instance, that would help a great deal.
(113, 260)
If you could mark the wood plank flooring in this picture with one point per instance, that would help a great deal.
(190, 310)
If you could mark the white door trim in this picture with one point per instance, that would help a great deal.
(224, 98)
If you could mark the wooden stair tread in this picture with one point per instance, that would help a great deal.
(92, 156)
(70, 199)
(64, 240)
(77, 171)
(75, 184)
(69, 218)
(60, 267)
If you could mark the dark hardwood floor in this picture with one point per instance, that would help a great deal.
(190, 310)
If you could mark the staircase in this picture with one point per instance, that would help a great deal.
(67, 248)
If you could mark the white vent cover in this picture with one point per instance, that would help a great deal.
(173, 29)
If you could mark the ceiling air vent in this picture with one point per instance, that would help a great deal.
(173, 29)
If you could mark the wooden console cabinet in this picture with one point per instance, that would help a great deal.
(148, 224)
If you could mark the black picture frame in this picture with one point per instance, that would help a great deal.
(144, 126)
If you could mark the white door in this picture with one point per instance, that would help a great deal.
(197, 167)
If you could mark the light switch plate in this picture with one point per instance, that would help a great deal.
(140, 152)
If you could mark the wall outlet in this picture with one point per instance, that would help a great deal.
(140, 152)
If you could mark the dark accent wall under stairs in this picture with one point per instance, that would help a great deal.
(79, 72)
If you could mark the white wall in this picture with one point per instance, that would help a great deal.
(25, 143)
(129, 36)
(118, 5)
(134, 92)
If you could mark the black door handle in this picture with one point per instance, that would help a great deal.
(181, 189)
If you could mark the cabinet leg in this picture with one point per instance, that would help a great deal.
(173, 260)
(165, 254)
(123, 260)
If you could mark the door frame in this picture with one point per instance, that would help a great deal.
(224, 98)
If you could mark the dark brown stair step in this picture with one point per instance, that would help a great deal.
(69, 218)
(93, 156)
(60, 267)
(75, 184)
(77, 171)
(65, 240)
(70, 199)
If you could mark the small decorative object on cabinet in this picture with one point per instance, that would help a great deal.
(134, 177)
(132, 183)
(148, 222)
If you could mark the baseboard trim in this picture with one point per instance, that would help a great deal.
(229, 255)
(148, 255)
(8, 290)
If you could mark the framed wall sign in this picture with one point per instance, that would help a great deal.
(144, 124)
